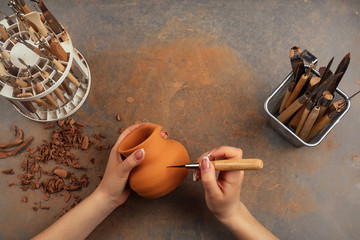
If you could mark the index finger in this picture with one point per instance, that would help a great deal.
(226, 152)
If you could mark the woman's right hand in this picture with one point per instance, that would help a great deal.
(223, 194)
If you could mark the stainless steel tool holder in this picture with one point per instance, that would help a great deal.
(272, 105)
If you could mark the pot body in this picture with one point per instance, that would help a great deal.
(152, 178)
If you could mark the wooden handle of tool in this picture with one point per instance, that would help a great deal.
(34, 18)
(302, 120)
(238, 164)
(5, 53)
(288, 112)
(21, 83)
(39, 89)
(68, 90)
(286, 96)
(325, 102)
(26, 9)
(295, 94)
(59, 94)
(3, 33)
(313, 82)
(320, 124)
(57, 50)
(61, 68)
(43, 103)
(57, 91)
(309, 123)
(29, 106)
(3, 70)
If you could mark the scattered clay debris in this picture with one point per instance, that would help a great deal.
(118, 117)
(17, 142)
(8, 171)
(67, 196)
(12, 184)
(44, 207)
(273, 187)
(61, 172)
(354, 156)
(102, 135)
(85, 143)
(66, 136)
(130, 99)
(25, 199)
(92, 161)
(122, 130)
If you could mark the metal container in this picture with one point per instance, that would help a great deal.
(272, 106)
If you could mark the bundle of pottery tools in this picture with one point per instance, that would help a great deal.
(309, 101)
(41, 73)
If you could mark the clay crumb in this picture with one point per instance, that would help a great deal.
(8, 171)
(24, 199)
(118, 117)
(273, 187)
(130, 99)
(92, 161)
(67, 196)
(35, 209)
(85, 143)
(354, 156)
(122, 130)
(61, 172)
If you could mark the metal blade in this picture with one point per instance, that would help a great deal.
(325, 75)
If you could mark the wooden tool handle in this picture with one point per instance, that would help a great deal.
(66, 87)
(313, 82)
(295, 94)
(57, 50)
(288, 112)
(302, 120)
(309, 123)
(29, 106)
(320, 124)
(39, 89)
(57, 91)
(3, 33)
(21, 83)
(34, 18)
(238, 164)
(5, 53)
(61, 68)
(43, 103)
(286, 96)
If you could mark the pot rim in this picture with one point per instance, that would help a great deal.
(157, 128)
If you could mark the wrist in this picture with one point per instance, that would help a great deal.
(235, 216)
(106, 202)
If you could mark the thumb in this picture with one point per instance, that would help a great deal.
(131, 161)
(208, 178)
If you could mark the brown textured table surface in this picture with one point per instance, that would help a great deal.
(203, 70)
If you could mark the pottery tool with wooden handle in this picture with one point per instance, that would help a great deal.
(54, 24)
(229, 164)
(299, 86)
(34, 18)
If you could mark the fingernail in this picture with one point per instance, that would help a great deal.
(205, 163)
(139, 154)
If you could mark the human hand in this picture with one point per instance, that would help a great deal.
(223, 194)
(114, 183)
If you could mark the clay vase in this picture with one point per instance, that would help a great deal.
(152, 178)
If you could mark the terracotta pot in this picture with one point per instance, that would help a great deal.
(152, 178)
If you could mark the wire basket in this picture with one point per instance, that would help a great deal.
(272, 105)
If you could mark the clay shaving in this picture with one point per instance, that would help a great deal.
(4, 148)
